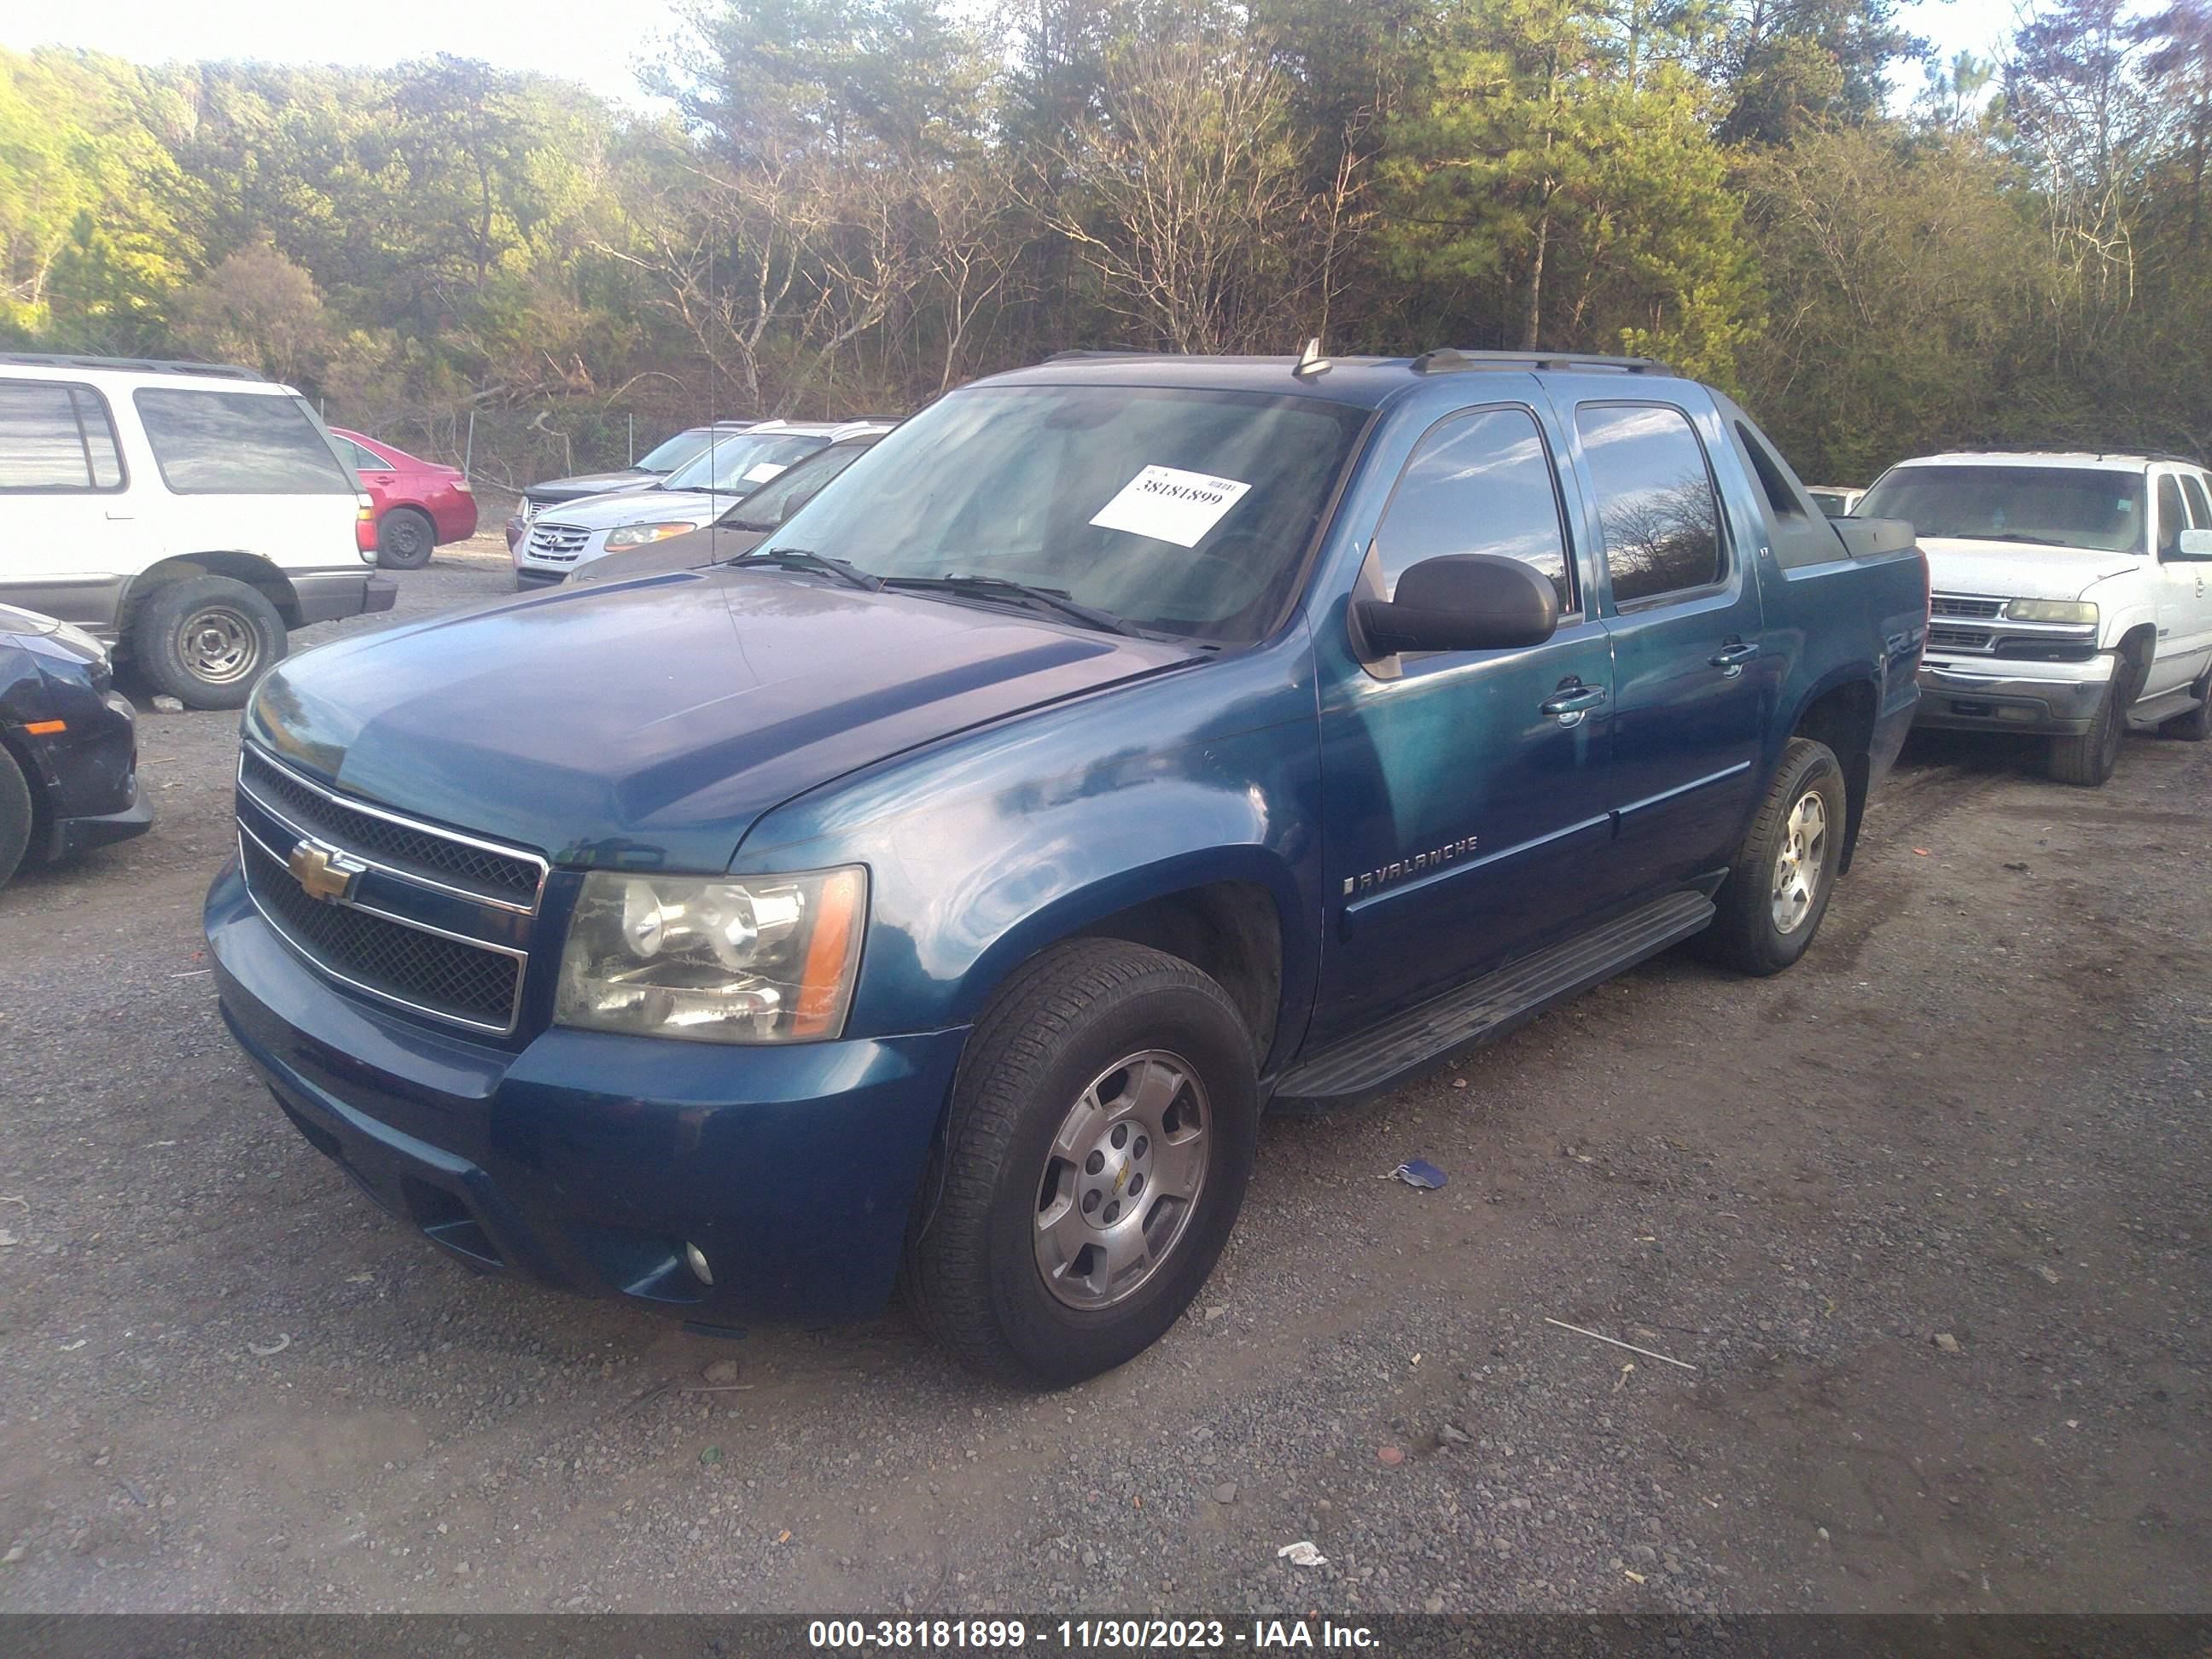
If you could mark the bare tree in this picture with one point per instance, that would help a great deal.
(1184, 194)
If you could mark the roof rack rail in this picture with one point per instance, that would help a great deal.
(1106, 352)
(1451, 360)
(137, 365)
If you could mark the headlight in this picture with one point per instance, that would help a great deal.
(2052, 610)
(77, 640)
(715, 958)
(637, 535)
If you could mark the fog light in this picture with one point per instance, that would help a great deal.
(695, 1259)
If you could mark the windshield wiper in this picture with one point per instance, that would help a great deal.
(806, 558)
(2019, 536)
(995, 588)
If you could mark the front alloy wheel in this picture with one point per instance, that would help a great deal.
(1093, 1160)
(1122, 1179)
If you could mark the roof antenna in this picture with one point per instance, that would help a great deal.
(1310, 361)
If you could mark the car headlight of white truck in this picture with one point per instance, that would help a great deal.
(715, 958)
(2052, 610)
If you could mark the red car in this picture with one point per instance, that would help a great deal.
(419, 504)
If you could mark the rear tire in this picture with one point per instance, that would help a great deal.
(1777, 890)
(405, 539)
(2088, 761)
(1042, 1090)
(206, 640)
(2197, 725)
(15, 817)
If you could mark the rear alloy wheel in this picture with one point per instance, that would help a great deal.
(1095, 1154)
(404, 539)
(206, 640)
(1777, 890)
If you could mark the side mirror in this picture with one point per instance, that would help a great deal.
(2196, 544)
(1461, 602)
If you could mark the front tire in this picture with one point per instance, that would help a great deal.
(2089, 760)
(15, 817)
(405, 539)
(206, 640)
(1777, 890)
(1102, 1131)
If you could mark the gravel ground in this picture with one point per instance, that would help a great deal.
(1927, 1215)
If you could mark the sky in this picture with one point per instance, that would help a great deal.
(594, 43)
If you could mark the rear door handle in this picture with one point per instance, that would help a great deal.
(1571, 704)
(1731, 659)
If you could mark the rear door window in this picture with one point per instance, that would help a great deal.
(56, 438)
(1656, 508)
(238, 443)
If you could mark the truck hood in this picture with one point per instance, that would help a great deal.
(694, 549)
(696, 506)
(2019, 570)
(647, 726)
(589, 483)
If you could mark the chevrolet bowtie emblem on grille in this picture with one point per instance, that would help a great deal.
(326, 873)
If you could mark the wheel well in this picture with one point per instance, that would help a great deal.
(1842, 717)
(2139, 644)
(254, 571)
(1228, 931)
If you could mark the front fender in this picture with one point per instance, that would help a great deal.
(985, 850)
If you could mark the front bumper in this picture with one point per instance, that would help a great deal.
(588, 1161)
(1983, 694)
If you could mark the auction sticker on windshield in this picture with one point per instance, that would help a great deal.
(761, 473)
(1170, 506)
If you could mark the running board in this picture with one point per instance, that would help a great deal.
(2154, 712)
(1488, 1007)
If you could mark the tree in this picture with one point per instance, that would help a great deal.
(1558, 180)
(1183, 196)
(256, 307)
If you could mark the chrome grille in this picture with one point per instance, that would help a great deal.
(558, 543)
(439, 857)
(400, 963)
(1959, 639)
(1961, 605)
(435, 921)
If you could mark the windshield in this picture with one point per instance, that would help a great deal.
(672, 453)
(1183, 512)
(742, 463)
(772, 503)
(2088, 507)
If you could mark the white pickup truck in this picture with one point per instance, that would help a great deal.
(2071, 597)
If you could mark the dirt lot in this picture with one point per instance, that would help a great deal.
(1928, 1216)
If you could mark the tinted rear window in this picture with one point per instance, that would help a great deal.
(238, 443)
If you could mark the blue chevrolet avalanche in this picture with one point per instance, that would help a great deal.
(938, 893)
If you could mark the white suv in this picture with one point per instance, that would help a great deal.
(572, 534)
(2070, 596)
(183, 513)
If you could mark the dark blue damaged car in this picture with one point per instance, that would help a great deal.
(1125, 746)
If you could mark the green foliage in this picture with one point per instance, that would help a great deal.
(856, 203)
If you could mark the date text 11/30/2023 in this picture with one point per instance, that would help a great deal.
(1077, 1635)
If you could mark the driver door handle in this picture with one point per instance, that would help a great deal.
(1571, 702)
(1731, 658)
